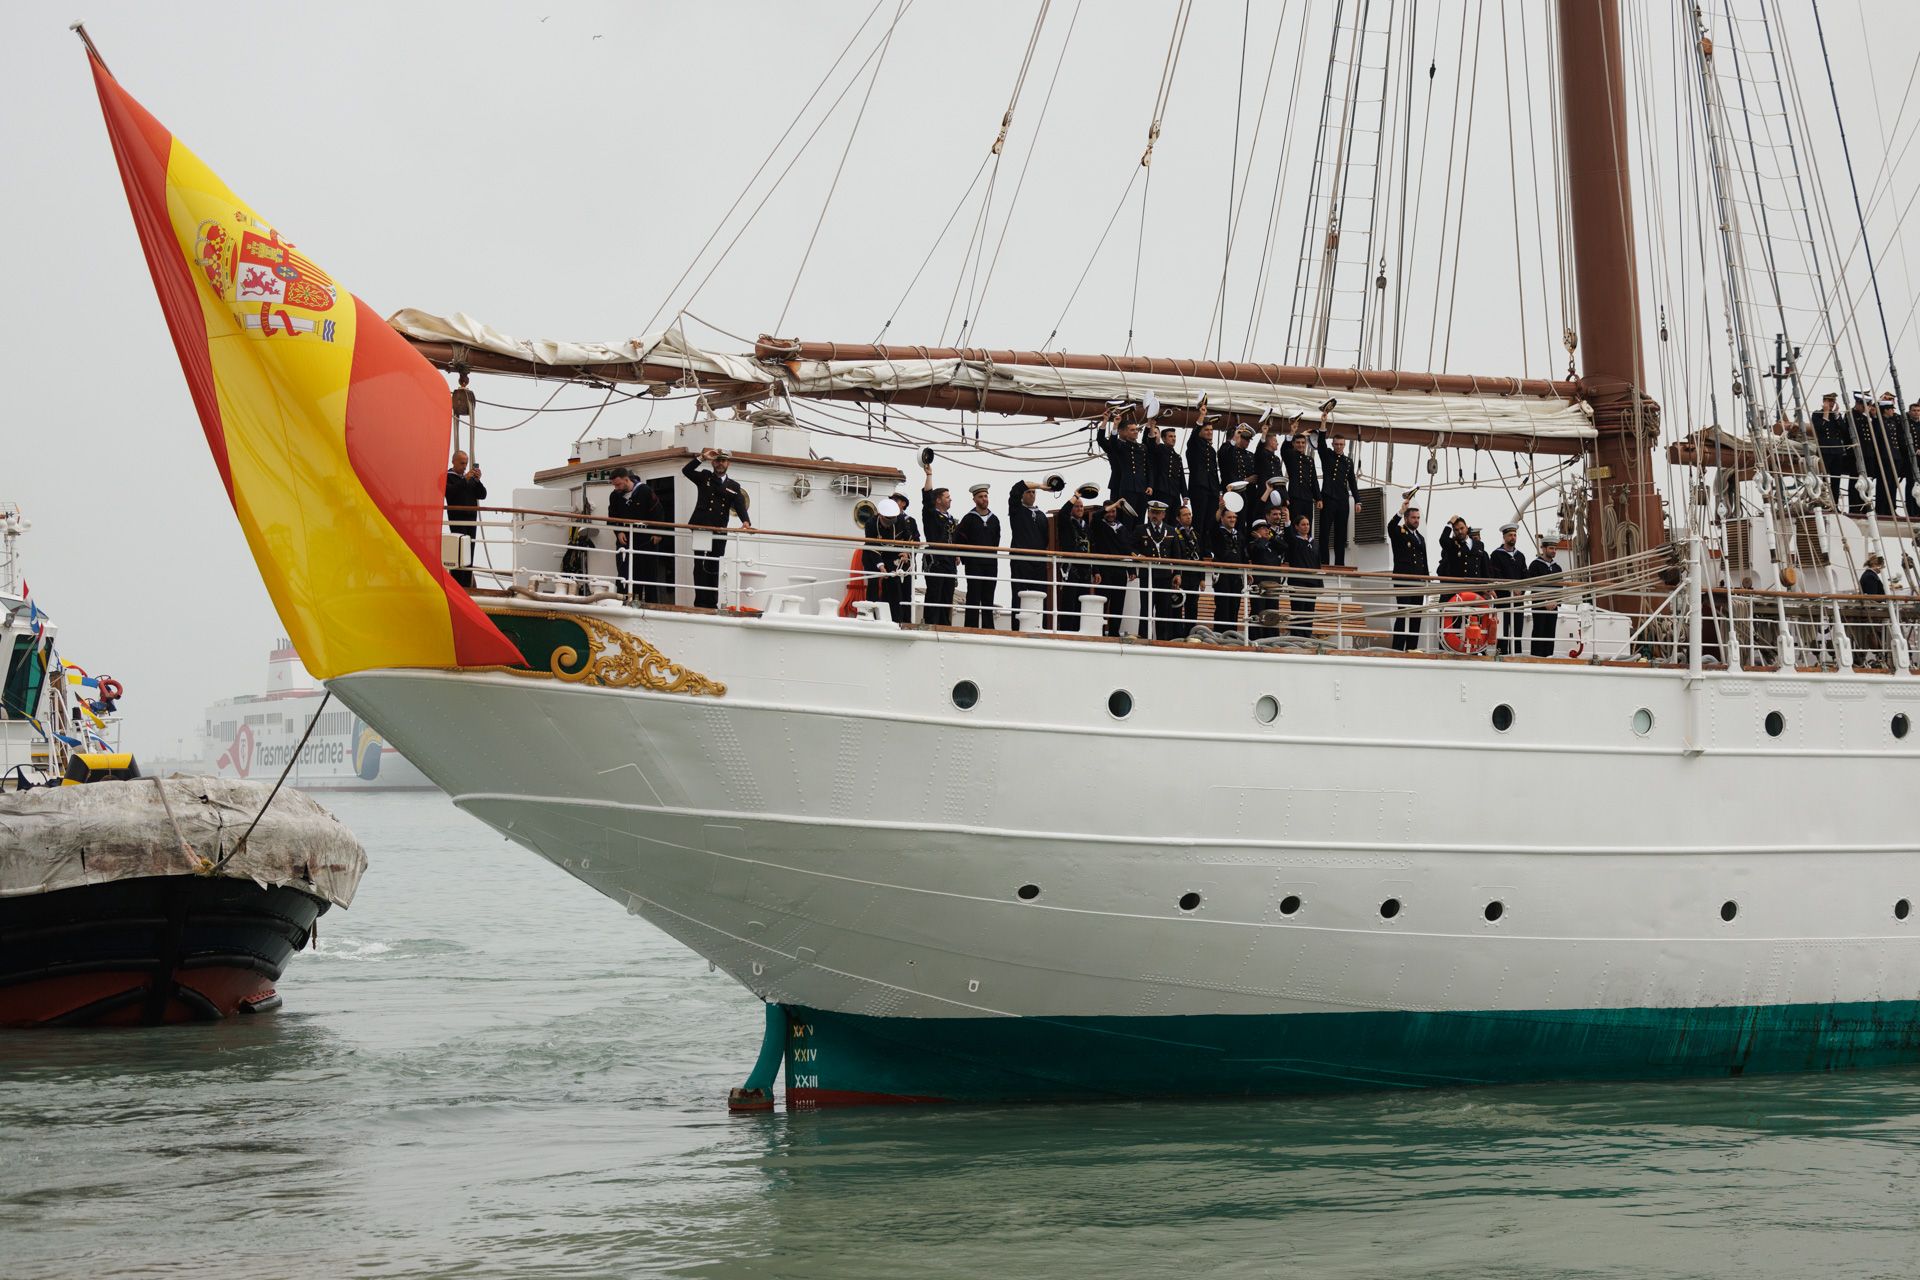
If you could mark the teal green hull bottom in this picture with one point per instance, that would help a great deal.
(844, 1059)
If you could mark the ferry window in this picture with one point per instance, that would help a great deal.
(1643, 722)
(965, 694)
(1267, 709)
(1776, 724)
(1503, 717)
(1189, 901)
(1900, 724)
(1119, 704)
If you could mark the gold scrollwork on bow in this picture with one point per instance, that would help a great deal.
(616, 659)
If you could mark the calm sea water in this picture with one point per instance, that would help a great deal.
(489, 1070)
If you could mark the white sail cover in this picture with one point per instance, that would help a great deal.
(1463, 417)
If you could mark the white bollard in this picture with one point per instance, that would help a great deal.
(1033, 606)
(1093, 610)
(827, 608)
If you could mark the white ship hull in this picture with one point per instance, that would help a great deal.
(843, 840)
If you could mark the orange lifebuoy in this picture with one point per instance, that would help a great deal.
(1467, 629)
(111, 689)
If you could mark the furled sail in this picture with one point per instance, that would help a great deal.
(1496, 412)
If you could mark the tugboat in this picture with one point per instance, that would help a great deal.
(128, 900)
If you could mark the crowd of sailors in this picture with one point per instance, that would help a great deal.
(1871, 441)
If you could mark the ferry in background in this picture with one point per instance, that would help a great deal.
(253, 735)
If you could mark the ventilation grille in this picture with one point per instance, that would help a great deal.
(1370, 516)
(851, 486)
(1739, 545)
(1806, 538)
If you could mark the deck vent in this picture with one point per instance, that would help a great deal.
(1807, 540)
(1370, 516)
(1739, 545)
(852, 486)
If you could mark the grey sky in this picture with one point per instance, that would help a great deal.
(553, 177)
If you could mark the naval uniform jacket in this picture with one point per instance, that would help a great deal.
(1071, 537)
(1836, 442)
(1236, 463)
(1169, 474)
(1203, 470)
(1473, 560)
(1155, 542)
(1409, 549)
(1339, 483)
(941, 527)
(977, 530)
(1870, 584)
(1128, 473)
(1026, 526)
(637, 503)
(463, 495)
(1229, 552)
(1506, 565)
(719, 497)
(1303, 484)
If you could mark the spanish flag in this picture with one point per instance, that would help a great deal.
(329, 431)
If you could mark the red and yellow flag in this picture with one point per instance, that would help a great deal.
(329, 431)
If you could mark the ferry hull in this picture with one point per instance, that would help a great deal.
(1375, 886)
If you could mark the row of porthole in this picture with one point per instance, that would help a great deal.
(1266, 709)
(1291, 904)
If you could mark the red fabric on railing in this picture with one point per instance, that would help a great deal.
(856, 588)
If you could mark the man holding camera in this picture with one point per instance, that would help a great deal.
(464, 494)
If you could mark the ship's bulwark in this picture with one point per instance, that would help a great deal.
(841, 839)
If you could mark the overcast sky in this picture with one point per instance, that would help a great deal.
(552, 169)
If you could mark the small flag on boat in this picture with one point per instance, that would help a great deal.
(330, 433)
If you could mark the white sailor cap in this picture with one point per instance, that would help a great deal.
(1237, 485)
(1261, 524)
(887, 508)
(982, 487)
(1509, 528)
(1859, 395)
(1156, 505)
(723, 453)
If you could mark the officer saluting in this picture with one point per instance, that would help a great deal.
(1129, 476)
(718, 499)
(1508, 563)
(1203, 473)
(980, 528)
(1340, 490)
(1410, 561)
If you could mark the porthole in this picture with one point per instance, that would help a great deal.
(965, 694)
(1643, 722)
(1290, 904)
(1900, 724)
(1494, 911)
(1503, 717)
(1119, 704)
(1776, 724)
(1267, 709)
(1028, 892)
(1902, 909)
(1189, 901)
(1728, 910)
(1390, 908)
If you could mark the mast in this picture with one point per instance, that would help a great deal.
(1594, 107)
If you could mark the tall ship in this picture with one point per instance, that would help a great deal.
(1097, 812)
(255, 735)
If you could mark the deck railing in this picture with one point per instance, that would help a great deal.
(1633, 610)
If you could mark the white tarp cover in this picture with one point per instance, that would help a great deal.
(64, 837)
(1461, 416)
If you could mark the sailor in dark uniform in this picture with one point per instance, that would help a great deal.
(1304, 491)
(1107, 530)
(1876, 452)
(1204, 484)
(1834, 433)
(638, 564)
(1269, 457)
(464, 494)
(1186, 582)
(1236, 460)
(718, 498)
(1508, 563)
(1473, 556)
(1075, 576)
(1154, 541)
(1409, 548)
(1546, 618)
(939, 564)
(1027, 531)
(1229, 569)
(1453, 548)
(1340, 491)
(881, 561)
(1303, 553)
(980, 528)
(1264, 558)
(1127, 470)
(1168, 472)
